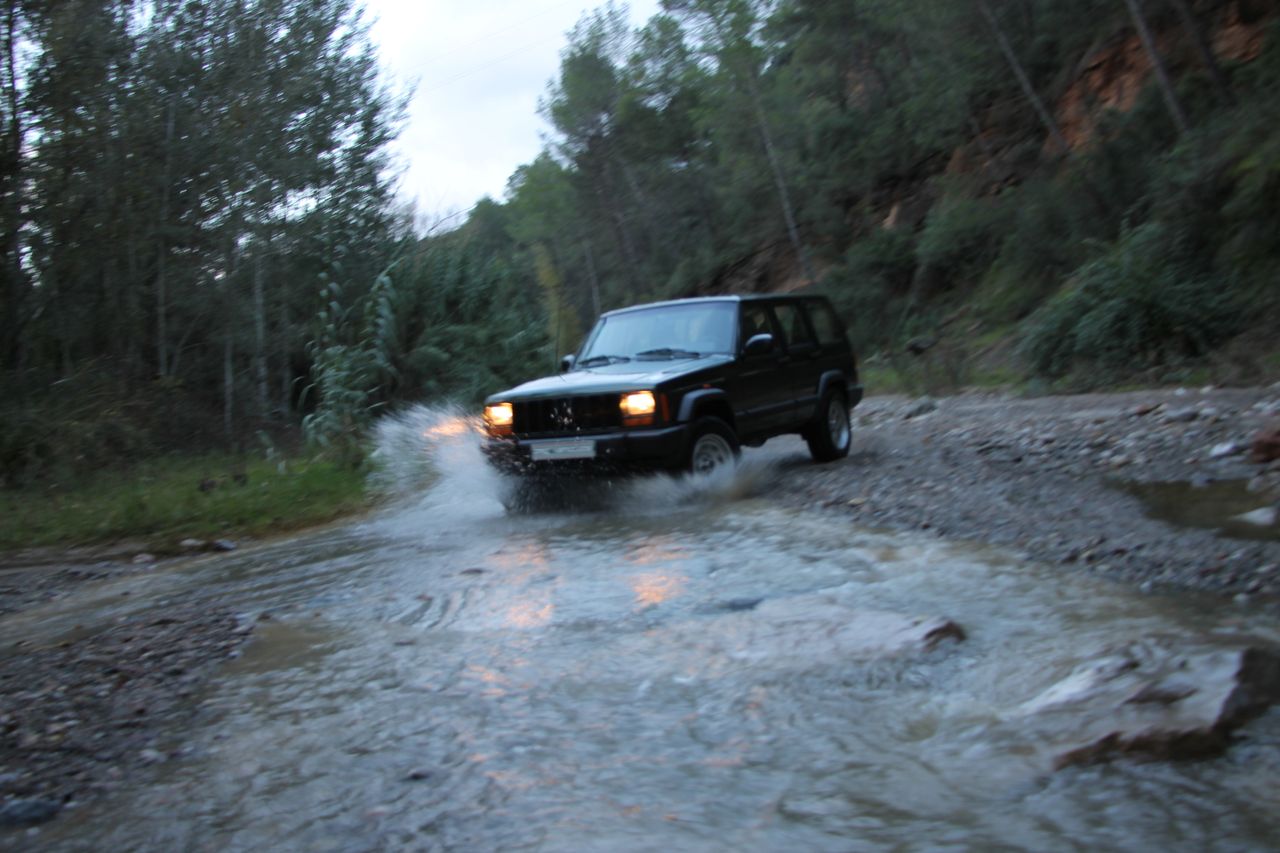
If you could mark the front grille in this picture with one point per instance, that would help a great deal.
(568, 415)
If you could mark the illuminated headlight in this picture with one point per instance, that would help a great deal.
(499, 417)
(638, 407)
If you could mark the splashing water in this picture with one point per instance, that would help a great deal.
(437, 448)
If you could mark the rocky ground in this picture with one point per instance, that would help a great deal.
(78, 717)
(1058, 478)
(82, 713)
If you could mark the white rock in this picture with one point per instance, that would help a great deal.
(1225, 449)
(1263, 517)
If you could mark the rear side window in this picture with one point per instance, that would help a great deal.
(825, 323)
(794, 328)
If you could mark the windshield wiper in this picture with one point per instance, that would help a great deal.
(668, 352)
(602, 359)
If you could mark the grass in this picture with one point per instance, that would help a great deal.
(165, 500)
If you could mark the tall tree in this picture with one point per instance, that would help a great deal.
(1171, 100)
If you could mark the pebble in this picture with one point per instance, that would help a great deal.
(1225, 449)
(1180, 416)
(224, 545)
(1262, 517)
(143, 559)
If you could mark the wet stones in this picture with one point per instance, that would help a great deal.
(27, 812)
(820, 626)
(1153, 700)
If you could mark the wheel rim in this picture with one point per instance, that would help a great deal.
(838, 424)
(710, 452)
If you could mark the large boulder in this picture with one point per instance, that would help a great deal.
(1154, 700)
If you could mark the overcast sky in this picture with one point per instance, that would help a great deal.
(479, 68)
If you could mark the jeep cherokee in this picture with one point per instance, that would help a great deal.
(682, 385)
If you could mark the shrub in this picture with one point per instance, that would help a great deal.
(962, 236)
(1138, 305)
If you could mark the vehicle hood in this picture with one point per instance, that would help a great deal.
(609, 378)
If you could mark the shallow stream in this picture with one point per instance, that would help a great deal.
(651, 666)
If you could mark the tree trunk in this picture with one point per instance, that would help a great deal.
(286, 364)
(162, 297)
(1157, 64)
(591, 276)
(260, 333)
(780, 181)
(13, 293)
(1201, 41)
(1024, 81)
(228, 387)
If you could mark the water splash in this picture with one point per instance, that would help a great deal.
(434, 452)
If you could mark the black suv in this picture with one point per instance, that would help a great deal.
(681, 385)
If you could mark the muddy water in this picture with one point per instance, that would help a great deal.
(596, 677)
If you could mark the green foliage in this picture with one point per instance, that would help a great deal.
(962, 236)
(165, 500)
(90, 422)
(869, 286)
(1138, 305)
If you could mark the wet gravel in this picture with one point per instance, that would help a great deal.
(1048, 477)
(80, 716)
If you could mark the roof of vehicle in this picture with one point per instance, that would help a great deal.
(737, 297)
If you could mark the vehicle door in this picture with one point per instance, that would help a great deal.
(834, 350)
(758, 387)
(801, 366)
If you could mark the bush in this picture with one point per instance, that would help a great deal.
(868, 286)
(962, 236)
(1139, 305)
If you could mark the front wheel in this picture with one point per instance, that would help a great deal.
(828, 436)
(714, 446)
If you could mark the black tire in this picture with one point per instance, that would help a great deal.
(830, 434)
(714, 444)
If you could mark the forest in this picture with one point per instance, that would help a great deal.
(203, 247)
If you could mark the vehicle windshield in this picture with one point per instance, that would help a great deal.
(663, 332)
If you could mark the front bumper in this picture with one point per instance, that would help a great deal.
(639, 449)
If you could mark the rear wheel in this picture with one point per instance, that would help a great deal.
(714, 446)
(829, 436)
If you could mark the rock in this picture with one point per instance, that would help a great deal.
(1153, 700)
(418, 775)
(794, 632)
(1183, 415)
(151, 756)
(1225, 449)
(1263, 517)
(143, 559)
(922, 406)
(1265, 446)
(28, 812)
(1145, 409)
(192, 544)
(224, 545)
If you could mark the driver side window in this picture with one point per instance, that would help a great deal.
(755, 321)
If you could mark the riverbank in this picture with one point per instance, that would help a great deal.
(1073, 480)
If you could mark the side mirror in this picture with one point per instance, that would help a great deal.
(761, 344)
(566, 363)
